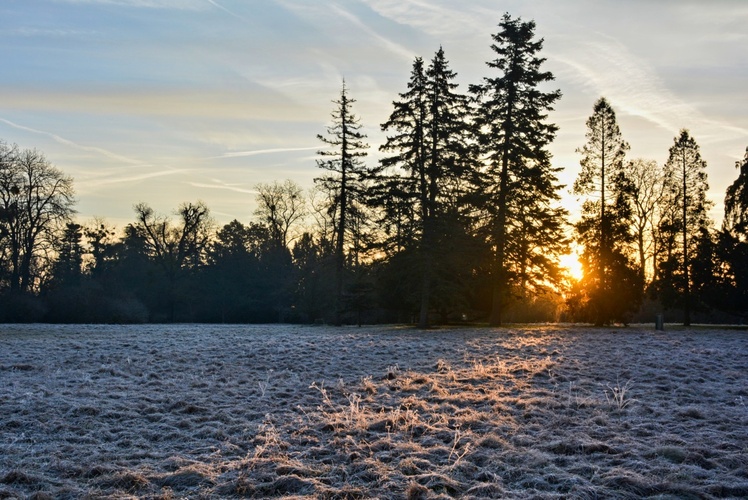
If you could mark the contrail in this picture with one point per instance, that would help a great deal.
(68, 142)
(241, 154)
(227, 11)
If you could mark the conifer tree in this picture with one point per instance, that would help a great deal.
(686, 187)
(732, 248)
(68, 267)
(736, 202)
(403, 190)
(519, 182)
(345, 180)
(431, 157)
(612, 286)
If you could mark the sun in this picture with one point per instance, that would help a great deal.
(570, 262)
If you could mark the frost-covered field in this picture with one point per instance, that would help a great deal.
(262, 411)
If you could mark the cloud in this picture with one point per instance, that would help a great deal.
(607, 68)
(241, 154)
(246, 101)
(109, 179)
(229, 12)
(427, 16)
(220, 185)
(354, 23)
(150, 4)
(69, 143)
(383, 41)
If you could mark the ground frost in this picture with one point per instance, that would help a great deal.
(315, 412)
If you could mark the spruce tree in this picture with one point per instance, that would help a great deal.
(430, 142)
(518, 181)
(403, 199)
(733, 244)
(686, 187)
(345, 181)
(736, 202)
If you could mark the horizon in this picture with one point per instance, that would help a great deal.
(166, 101)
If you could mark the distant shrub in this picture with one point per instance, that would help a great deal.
(21, 308)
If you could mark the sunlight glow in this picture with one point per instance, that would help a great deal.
(571, 263)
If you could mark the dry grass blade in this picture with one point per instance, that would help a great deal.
(618, 395)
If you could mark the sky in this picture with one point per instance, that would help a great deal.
(172, 101)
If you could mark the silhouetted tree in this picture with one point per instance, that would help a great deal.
(404, 189)
(99, 236)
(66, 293)
(732, 246)
(232, 284)
(736, 202)
(280, 206)
(314, 264)
(68, 266)
(685, 193)
(176, 248)
(36, 201)
(431, 162)
(610, 291)
(536, 233)
(646, 180)
(344, 181)
(514, 136)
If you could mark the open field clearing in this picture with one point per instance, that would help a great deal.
(380, 412)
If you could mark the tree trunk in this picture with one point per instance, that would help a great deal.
(500, 284)
(423, 317)
(340, 243)
(686, 278)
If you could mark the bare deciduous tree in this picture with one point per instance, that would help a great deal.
(36, 201)
(646, 180)
(281, 206)
(176, 248)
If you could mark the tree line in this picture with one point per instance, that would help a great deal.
(460, 221)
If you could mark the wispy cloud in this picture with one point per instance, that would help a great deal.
(219, 185)
(29, 32)
(241, 154)
(151, 4)
(383, 41)
(207, 102)
(227, 11)
(75, 145)
(359, 26)
(110, 180)
(607, 68)
(427, 16)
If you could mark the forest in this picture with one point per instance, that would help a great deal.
(461, 221)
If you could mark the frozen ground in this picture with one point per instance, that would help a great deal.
(315, 412)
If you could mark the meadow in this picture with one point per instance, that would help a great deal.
(554, 411)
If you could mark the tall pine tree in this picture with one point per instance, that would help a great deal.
(518, 181)
(344, 181)
(733, 243)
(431, 157)
(611, 286)
(736, 202)
(685, 187)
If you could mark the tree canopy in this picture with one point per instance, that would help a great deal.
(458, 219)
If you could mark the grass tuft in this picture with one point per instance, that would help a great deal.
(618, 395)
